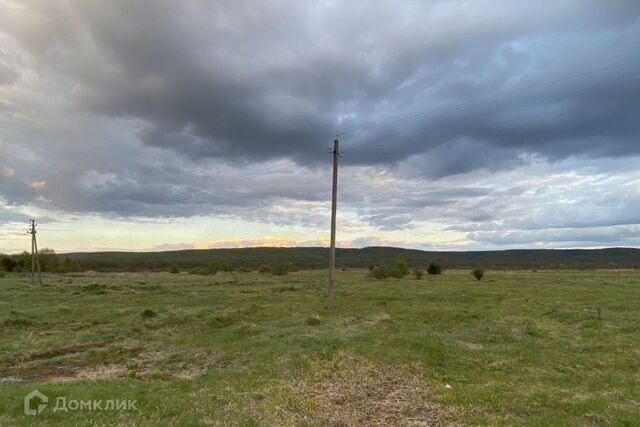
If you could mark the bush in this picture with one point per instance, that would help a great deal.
(280, 270)
(8, 264)
(314, 320)
(264, 269)
(69, 266)
(174, 269)
(434, 268)
(2, 273)
(215, 266)
(383, 271)
(48, 260)
(418, 273)
(148, 313)
(402, 265)
(478, 273)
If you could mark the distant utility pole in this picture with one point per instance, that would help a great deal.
(35, 259)
(334, 202)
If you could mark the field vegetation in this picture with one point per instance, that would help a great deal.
(243, 348)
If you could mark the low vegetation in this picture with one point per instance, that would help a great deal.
(478, 273)
(385, 271)
(434, 269)
(544, 348)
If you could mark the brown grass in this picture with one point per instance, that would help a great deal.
(67, 363)
(357, 392)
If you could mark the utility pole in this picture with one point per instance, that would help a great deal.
(334, 203)
(35, 259)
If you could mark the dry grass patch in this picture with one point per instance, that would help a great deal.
(71, 363)
(349, 391)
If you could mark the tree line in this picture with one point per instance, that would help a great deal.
(50, 262)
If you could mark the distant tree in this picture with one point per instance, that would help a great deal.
(48, 260)
(478, 273)
(434, 269)
(174, 269)
(280, 270)
(216, 266)
(69, 265)
(24, 260)
(264, 269)
(418, 273)
(402, 265)
(8, 263)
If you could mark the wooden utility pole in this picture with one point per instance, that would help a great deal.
(334, 202)
(35, 259)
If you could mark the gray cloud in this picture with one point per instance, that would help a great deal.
(259, 81)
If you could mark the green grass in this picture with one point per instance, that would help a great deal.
(518, 348)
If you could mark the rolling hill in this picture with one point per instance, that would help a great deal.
(311, 258)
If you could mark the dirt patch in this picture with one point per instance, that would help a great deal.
(357, 392)
(44, 371)
(68, 363)
(56, 352)
(168, 365)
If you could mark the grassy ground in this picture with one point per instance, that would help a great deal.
(520, 348)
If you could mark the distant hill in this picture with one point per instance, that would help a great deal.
(363, 258)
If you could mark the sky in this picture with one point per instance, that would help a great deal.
(464, 125)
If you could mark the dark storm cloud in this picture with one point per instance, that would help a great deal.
(257, 80)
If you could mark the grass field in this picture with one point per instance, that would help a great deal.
(519, 348)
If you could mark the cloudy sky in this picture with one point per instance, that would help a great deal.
(465, 125)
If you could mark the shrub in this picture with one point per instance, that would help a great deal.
(280, 270)
(48, 260)
(478, 273)
(174, 269)
(2, 273)
(148, 313)
(264, 269)
(402, 265)
(215, 266)
(377, 272)
(8, 264)
(314, 320)
(383, 271)
(434, 268)
(69, 266)
(228, 267)
(417, 273)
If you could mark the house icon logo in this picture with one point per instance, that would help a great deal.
(40, 399)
